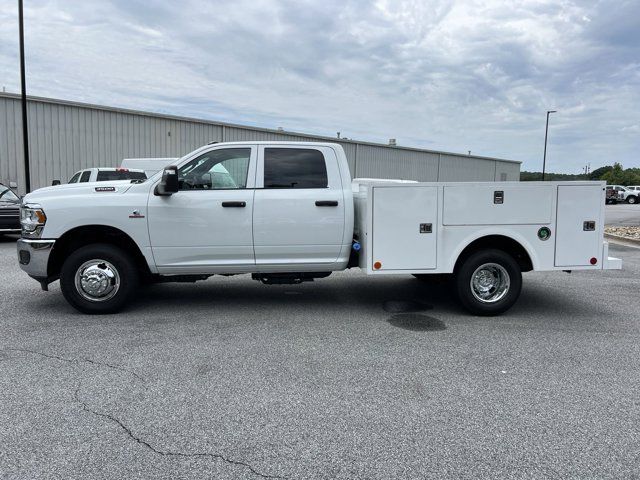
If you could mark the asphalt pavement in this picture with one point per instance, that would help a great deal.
(347, 377)
(622, 214)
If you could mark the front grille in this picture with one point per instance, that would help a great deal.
(9, 212)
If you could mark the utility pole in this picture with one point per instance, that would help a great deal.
(546, 132)
(23, 80)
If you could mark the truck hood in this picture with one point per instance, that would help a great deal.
(78, 190)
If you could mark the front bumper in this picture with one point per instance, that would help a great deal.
(33, 256)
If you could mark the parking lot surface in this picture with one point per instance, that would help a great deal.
(346, 377)
(622, 214)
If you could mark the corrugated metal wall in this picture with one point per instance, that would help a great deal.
(66, 137)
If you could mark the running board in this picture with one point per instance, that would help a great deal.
(287, 278)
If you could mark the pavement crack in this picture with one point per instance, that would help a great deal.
(167, 453)
(125, 428)
(78, 361)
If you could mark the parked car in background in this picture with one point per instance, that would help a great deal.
(104, 174)
(149, 165)
(9, 211)
(625, 194)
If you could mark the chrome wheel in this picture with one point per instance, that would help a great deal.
(490, 283)
(97, 280)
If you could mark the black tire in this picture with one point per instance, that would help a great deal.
(632, 199)
(109, 259)
(503, 301)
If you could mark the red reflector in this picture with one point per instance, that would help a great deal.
(377, 265)
(593, 260)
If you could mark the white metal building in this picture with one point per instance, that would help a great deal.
(65, 137)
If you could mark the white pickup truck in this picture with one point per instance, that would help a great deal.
(289, 212)
(106, 174)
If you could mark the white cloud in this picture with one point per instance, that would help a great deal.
(473, 75)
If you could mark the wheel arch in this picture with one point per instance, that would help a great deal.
(514, 247)
(78, 237)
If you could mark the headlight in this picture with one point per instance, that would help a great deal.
(32, 219)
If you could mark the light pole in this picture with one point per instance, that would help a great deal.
(546, 132)
(23, 80)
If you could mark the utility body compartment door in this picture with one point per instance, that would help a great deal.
(513, 203)
(405, 220)
(579, 225)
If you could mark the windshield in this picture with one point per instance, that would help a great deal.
(7, 195)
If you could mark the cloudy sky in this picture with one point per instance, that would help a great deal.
(447, 75)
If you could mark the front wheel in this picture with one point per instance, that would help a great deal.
(632, 199)
(488, 282)
(98, 278)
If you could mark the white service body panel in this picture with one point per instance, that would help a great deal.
(522, 204)
(403, 227)
(576, 243)
(389, 218)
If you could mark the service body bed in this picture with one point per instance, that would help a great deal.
(424, 227)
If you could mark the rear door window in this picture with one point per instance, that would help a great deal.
(294, 168)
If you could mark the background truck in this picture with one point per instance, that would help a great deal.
(149, 165)
(105, 174)
(288, 212)
(625, 194)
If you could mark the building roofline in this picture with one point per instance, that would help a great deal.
(128, 111)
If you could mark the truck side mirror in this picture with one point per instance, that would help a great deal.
(55, 182)
(169, 183)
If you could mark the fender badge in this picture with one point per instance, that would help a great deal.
(105, 189)
(136, 214)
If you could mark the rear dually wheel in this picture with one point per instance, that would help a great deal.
(488, 282)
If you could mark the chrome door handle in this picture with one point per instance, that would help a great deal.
(234, 204)
(326, 203)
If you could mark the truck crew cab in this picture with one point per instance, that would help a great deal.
(289, 212)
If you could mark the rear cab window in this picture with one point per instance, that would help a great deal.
(110, 175)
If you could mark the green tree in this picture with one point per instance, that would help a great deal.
(615, 176)
(631, 176)
(599, 172)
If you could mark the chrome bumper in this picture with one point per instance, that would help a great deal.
(10, 230)
(33, 256)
